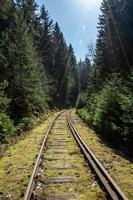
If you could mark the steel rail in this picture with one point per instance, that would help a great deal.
(107, 181)
(31, 184)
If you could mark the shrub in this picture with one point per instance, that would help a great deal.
(81, 101)
(25, 124)
(110, 111)
(6, 126)
(4, 101)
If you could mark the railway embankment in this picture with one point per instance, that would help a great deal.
(118, 166)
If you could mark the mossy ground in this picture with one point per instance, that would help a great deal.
(84, 186)
(17, 163)
(120, 168)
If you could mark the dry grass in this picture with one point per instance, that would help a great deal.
(17, 163)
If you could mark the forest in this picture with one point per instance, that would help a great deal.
(39, 71)
(106, 101)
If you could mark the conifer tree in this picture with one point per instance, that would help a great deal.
(112, 49)
(60, 64)
(107, 103)
(83, 72)
(25, 86)
(72, 84)
(45, 47)
(28, 9)
(37, 69)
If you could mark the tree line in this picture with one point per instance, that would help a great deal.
(106, 101)
(38, 69)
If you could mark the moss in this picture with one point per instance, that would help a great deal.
(120, 168)
(84, 185)
(17, 163)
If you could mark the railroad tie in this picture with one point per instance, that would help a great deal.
(60, 167)
(56, 158)
(56, 180)
(57, 197)
(58, 151)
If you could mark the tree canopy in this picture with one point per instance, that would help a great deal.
(36, 64)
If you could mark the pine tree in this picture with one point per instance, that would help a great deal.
(72, 84)
(107, 103)
(112, 53)
(126, 23)
(83, 72)
(45, 47)
(25, 85)
(28, 9)
(20, 66)
(46, 52)
(60, 65)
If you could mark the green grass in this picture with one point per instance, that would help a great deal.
(84, 186)
(120, 168)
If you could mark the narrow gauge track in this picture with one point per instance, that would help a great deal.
(58, 147)
(109, 184)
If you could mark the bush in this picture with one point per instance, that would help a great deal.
(25, 124)
(110, 111)
(4, 101)
(81, 101)
(6, 126)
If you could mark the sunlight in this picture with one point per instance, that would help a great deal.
(85, 7)
(89, 2)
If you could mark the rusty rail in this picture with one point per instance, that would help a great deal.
(31, 184)
(111, 187)
(109, 184)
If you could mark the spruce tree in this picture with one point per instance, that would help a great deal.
(60, 65)
(84, 68)
(72, 84)
(45, 47)
(26, 87)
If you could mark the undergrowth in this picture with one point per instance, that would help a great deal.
(110, 112)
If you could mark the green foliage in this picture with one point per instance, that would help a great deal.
(85, 115)
(110, 111)
(25, 124)
(36, 65)
(107, 107)
(72, 78)
(28, 95)
(109, 104)
(114, 44)
(81, 100)
(83, 71)
(4, 101)
(6, 126)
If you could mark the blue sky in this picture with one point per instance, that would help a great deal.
(77, 20)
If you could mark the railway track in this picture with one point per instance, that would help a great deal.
(62, 172)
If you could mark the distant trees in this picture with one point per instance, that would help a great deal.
(84, 68)
(36, 64)
(72, 78)
(60, 66)
(107, 101)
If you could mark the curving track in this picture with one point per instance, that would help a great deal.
(62, 173)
